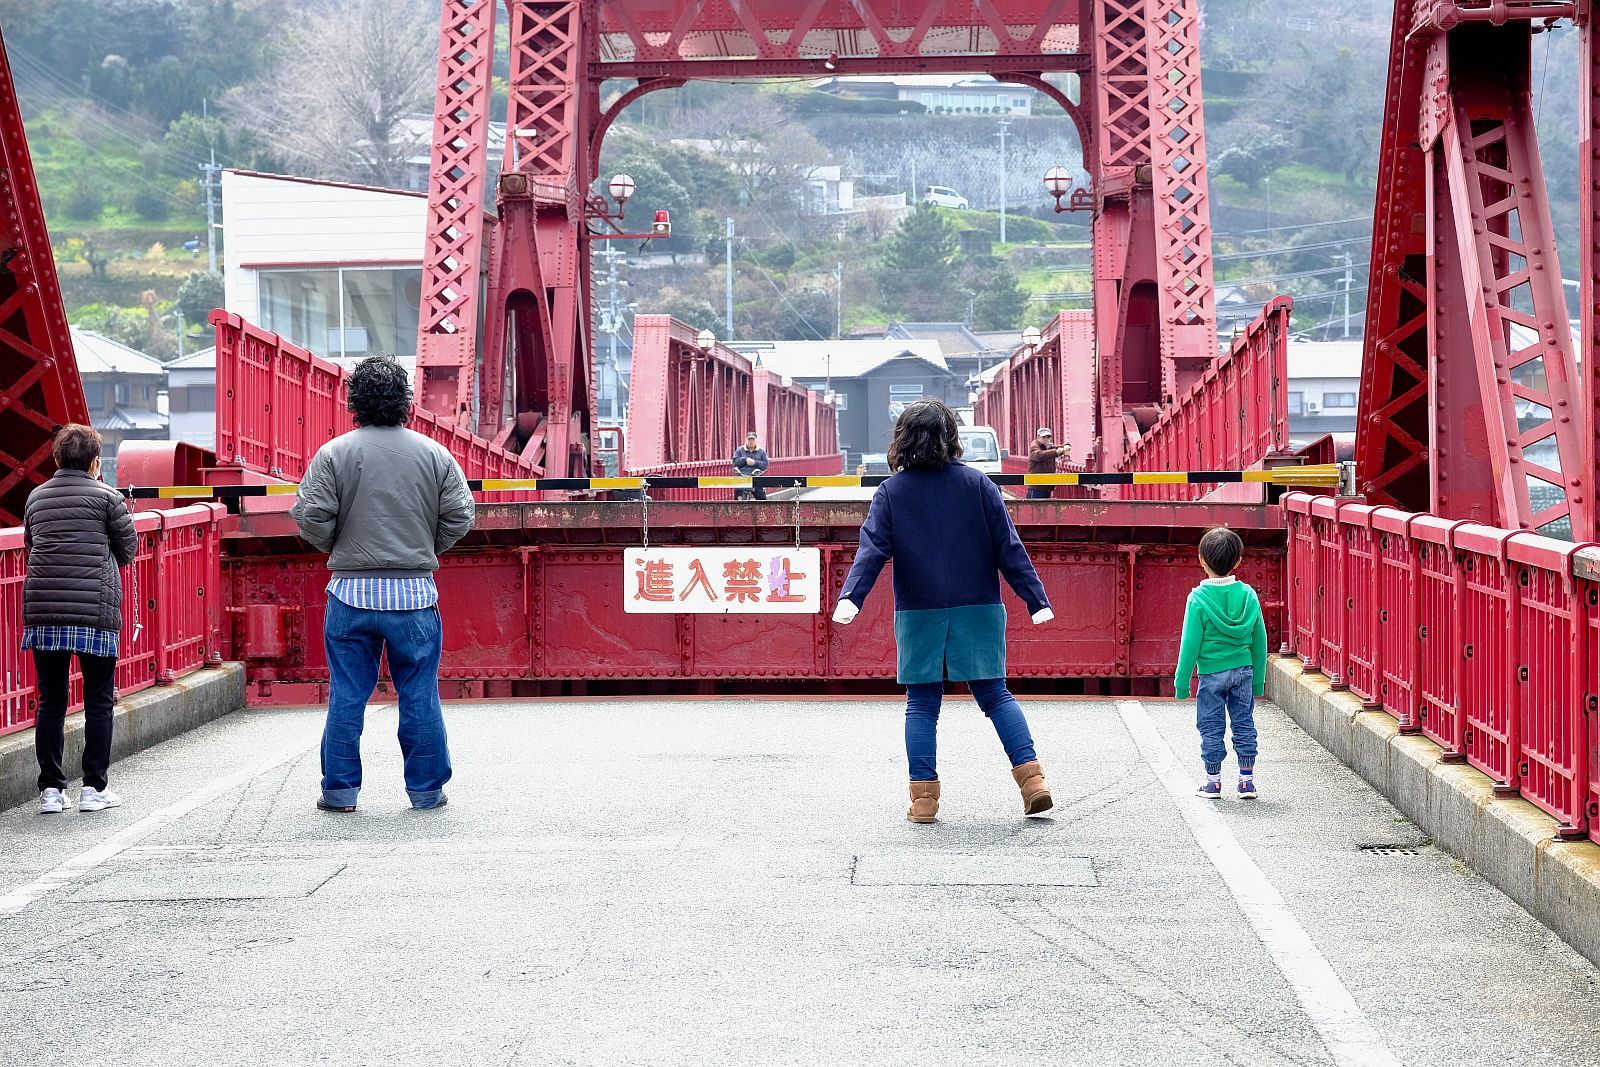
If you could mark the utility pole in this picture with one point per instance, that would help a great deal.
(1349, 280)
(1005, 130)
(838, 301)
(211, 185)
(613, 326)
(727, 325)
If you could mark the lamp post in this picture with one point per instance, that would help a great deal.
(706, 340)
(1031, 338)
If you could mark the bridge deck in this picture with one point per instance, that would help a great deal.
(733, 882)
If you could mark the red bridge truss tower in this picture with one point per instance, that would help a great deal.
(524, 376)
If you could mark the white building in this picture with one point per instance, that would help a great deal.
(1324, 387)
(938, 93)
(335, 268)
(192, 398)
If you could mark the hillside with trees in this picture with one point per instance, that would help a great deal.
(125, 100)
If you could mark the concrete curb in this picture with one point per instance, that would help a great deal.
(143, 720)
(1506, 839)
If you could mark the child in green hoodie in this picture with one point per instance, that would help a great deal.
(1224, 637)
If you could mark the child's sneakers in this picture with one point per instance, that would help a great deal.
(1210, 789)
(1247, 789)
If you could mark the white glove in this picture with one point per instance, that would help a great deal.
(845, 613)
(1043, 615)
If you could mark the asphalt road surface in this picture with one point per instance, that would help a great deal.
(735, 883)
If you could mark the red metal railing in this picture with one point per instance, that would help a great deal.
(277, 403)
(172, 606)
(1485, 640)
(1231, 419)
(1049, 385)
(690, 408)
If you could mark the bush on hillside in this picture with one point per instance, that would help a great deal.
(84, 201)
(150, 205)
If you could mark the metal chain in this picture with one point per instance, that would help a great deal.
(138, 606)
(645, 513)
(796, 502)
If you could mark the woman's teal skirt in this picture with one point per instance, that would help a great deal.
(964, 644)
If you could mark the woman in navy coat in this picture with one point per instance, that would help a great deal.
(946, 527)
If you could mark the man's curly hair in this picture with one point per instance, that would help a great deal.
(380, 393)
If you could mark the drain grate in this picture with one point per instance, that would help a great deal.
(1390, 850)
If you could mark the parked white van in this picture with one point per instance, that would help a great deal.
(980, 448)
(944, 196)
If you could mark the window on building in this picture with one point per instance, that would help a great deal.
(1338, 400)
(122, 391)
(94, 393)
(1297, 403)
(349, 311)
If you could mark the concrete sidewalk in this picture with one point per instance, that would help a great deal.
(734, 882)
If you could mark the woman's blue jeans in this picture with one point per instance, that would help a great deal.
(922, 724)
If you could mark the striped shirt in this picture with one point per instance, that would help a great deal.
(385, 594)
(85, 640)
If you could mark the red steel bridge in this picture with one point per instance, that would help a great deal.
(1475, 457)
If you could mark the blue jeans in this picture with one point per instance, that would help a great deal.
(1229, 694)
(355, 639)
(922, 724)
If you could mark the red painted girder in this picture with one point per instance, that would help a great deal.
(1232, 418)
(689, 409)
(1182, 196)
(1395, 430)
(1052, 385)
(772, 30)
(1588, 352)
(39, 383)
(447, 330)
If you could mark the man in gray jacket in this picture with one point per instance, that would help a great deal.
(383, 502)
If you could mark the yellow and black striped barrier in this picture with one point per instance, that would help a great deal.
(1319, 476)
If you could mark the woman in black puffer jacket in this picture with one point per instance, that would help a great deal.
(76, 532)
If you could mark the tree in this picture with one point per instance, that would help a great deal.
(84, 248)
(1000, 304)
(1255, 158)
(917, 274)
(696, 312)
(199, 295)
(335, 107)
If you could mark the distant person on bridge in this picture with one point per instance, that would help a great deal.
(384, 502)
(1042, 457)
(1226, 638)
(750, 461)
(76, 533)
(947, 529)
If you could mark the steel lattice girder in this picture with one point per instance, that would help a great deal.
(1470, 405)
(39, 383)
(1153, 260)
(452, 258)
(708, 401)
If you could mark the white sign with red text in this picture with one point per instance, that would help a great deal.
(750, 580)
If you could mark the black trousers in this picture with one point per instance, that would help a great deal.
(755, 492)
(49, 731)
(1040, 492)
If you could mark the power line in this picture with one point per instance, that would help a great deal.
(1287, 249)
(1295, 226)
(798, 314)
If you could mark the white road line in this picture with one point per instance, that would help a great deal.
(1345, 1029)
(124, 839)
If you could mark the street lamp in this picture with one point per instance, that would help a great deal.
(706, 340)
(1058, 183)
(1030, 338)
(621, 188)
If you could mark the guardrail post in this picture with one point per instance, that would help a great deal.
(161, 621)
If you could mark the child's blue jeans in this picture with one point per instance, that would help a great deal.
(1227, 697)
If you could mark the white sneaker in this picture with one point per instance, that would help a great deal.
(52, 802)
(94, 800)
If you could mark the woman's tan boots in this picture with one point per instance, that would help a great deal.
(1035, 794)
(924, 801)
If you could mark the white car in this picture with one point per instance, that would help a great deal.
(980, 448)
(944, 196)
